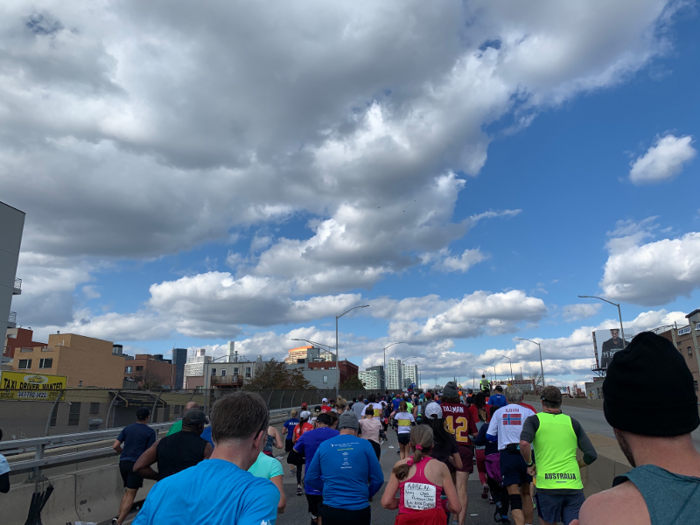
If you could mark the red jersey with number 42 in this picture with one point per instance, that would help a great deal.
(459, 422)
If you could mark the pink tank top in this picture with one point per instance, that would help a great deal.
(418, 493)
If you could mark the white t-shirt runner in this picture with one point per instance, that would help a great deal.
(507, 423)
(378, 409)
(404, 420)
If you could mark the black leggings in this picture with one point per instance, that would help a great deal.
(499, 495)
(377, 448)
(299, 469)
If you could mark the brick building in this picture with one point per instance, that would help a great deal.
(150, 371)
(19, 338)
(87, 362)
(685, 339)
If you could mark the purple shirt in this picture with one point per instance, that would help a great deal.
(307, 445)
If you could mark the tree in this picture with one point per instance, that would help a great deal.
(147, 380)
(276, 375)
(353, 383)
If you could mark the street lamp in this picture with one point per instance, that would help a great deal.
(207, 378)
(329, 347)
(385, 374)
(540, 346)
(495, 375)
(337, 350)
(511, 366)
(619, 312)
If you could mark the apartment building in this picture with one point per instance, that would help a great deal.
(410, 375)
(17, 338)
(372, 379)
(12, 222)
(85, 361)
(150, 371)
(685, 339)
(394, 375)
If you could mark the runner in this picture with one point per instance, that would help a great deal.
(421, 481)
(132, 441)
(492, 461)
(445, 448)
(459, 423)
(302, 428)
(273, 440)
(556, 437)
(341, 405)
(359, 407)
(317, 412)
(664, 485)
(267, 467)
(178, 451)
(484, 385)
(307, 445)
(370, 428)
(340, 470)
(324, 407)
(404, 420)
(177, 426)
(220, 490)
(4, 472)
(481, 449)
(376, 406)
(288, 433)
(505, 427)
(497, 398)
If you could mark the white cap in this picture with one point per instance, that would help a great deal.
(433, 409)
(325, 400)
(305, 414)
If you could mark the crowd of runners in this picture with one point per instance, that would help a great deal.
(525, 458)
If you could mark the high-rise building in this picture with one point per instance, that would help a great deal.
(179, 360)
(11, 228)
(394, 375)
(371, 379)
(194, 369)
(381, 384)
(410, 375)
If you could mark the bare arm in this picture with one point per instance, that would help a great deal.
(456, 460)
(282, 505)
(389, 499)
(117, 446)
(450, 491)
(272, 431)
(143, 465)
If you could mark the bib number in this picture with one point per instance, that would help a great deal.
(419, 496)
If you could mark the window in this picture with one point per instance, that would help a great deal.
(235, 371)
(45, 363)
(54, 414)
(128, 369)
(74, 415)
(325, 380)
(24, 364)
(26, 350)
(248, 373)
(94, 408)
(690, 351)
(139, 369)
(176, 410)
(223, 373)
(213, 371)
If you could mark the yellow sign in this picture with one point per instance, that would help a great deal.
(31, 387)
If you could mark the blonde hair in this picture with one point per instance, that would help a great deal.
(421, 435)
(294, 413)
(341, 403)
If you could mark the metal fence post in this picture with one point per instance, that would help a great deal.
(155, 406)
(294, 394)
(270, 397)
(53, 407)
(109, 410)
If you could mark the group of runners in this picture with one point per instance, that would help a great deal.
(441, 436)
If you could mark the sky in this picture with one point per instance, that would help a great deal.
(194, 174)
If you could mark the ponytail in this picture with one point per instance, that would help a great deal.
(422, 445)
(403, 407)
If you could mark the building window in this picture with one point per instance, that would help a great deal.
(223, 373)
(325, 380)
(139, 369)
(26, 350)
(24, 364)
(176, 410)
(54, 414)
(248, 372)
(690, 351)
(94, 408)
(235, 371)
(128, 369)
(213, 371)
(45, 363)
(74, 415)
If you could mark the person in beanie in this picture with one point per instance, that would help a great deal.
(340, 470)
(664, 485)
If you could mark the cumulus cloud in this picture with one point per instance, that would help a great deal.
(576, 312)
(664, 160)
(651, 273)
(462, 263)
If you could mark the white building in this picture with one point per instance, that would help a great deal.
(394, 375)
(194, 367)
(371, 378)
(410, 375)
(11, 227)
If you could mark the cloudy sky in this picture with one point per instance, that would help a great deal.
(197, 173)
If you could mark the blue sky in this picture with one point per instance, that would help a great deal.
(467, 193)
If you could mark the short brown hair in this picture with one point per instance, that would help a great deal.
(238, 416)
(551, 397)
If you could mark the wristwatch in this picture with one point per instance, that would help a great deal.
(530, 464)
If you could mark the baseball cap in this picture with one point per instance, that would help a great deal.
(325, 400)
(305, 414)
(433, 410)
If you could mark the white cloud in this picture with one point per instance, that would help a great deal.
(651, 273)
(90, 292)
(664, 160)
(576, 312)
(462, 263)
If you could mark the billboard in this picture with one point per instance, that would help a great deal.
(606, 343)
(23, 386)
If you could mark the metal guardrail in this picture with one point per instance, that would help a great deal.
(39, 445)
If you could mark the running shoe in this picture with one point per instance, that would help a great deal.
(505, 520)
(115, 520)
(485, 492)
(299, 492)
(497, 515)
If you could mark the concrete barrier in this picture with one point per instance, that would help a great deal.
(14, 506)
(578, 402)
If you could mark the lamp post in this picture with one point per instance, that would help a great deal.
(504, 356)
(337, 349)
(540, 346)
(329, 347)
(619, 312)
(207, 378)
(495, 375)
(386, 385)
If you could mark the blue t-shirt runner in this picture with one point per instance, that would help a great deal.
(340, 470)
(289, 425)
(307, 445)
(213, 491)
(135, 439)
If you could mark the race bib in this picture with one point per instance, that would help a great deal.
(419, 496)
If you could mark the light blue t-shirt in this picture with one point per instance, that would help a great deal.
(341, 469)
(4, 465)
(266, 467)
(212, 492)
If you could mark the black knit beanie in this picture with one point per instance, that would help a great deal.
(649, 360)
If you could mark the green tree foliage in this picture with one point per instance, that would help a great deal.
(353, 383)
(275, 375)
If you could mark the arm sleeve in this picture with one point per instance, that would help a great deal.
(121, 437)
(480, 439)
(313, 475)
(277, 469)
(152, 439)
(532, 424)
(299, 446)
(490, 402)
(589, 452)
(261, 505)
(376, 477)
